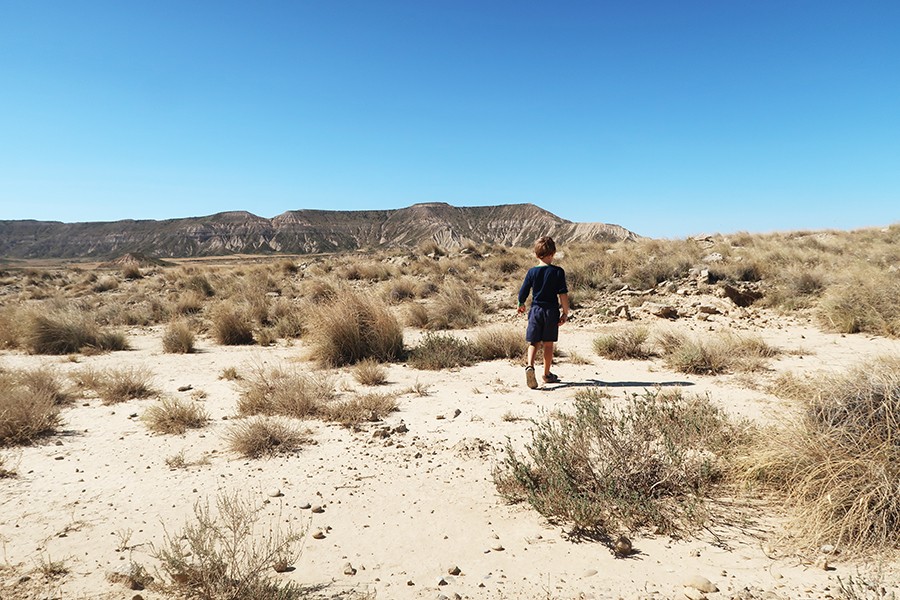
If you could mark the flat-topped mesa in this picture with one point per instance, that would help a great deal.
(299, 232)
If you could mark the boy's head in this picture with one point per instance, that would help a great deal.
(544, 247)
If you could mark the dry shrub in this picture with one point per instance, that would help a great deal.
(178, 338)
(361, 408)
(368, 271)
(231, 554)
(10, 327)
(131, 272)
(189, 304)
(67, 330)
(105, 284)
(714, 355)
(198, 282)
(289, 318)
(649, 463)
(286, 392)
(354, 327)
(441, 351)
(117, 385)
(837, 463)
(265, 436)
(400, 290)
(320, 290)
(26, 411)
(417, 316)
(499, 342)
(174, 415)
(624, 344)
(370, 372)
(230, 327)
(867, 304)
(456, 306)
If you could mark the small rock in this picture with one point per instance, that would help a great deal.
(318, 509)
(281, 566)
(441, 581)
(498, 548)
(822, 563)
(622, 546)
(589, 573)
(410, 582)
(401, 428)
(454, 570)
(348, 569)
(305, 506)
(698, 582)
(274, 493)
(828, 549)
(456, 413)
(185, 388)
(319, 535)
(440, 417)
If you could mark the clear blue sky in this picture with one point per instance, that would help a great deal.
(667, 117)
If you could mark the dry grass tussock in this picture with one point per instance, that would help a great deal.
(500, 342)
(65, 331)
(361, 408)
(441, 351)
(233, 551)
(838, 462)
(715, 354)
(285, 392)
(867, 303)
(178, 338)
(370, 372)
(231, 326)
(455, 306)
(175, 416)
(624, 343)
(650, 462)
(29, 407)
(266, 436)
(117, 385)
(352, 328)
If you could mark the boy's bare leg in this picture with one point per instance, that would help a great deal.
(532, 353)
(548, 357)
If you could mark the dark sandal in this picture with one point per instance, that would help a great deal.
(551, 378)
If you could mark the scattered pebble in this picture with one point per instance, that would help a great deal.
(700, 583)
(319, 535)
(454, 570)
(318, 509)
(348, 569)
(274, 493)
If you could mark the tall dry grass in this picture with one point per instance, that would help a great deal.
(67, 330)
(837, 461)
(352, 328)
(29, 407)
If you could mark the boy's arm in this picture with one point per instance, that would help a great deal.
(524, 291)
(564, 313)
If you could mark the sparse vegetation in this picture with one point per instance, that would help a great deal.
(838, 461)
(66, 331)
(370, 372)
(648, 464)
(230, 553)
(714, 355)
(265, 436)
(623, 344)
(117, 385)
(175, 416)
(178, 338)
(285, 392)
(456, 306)
(361, 408)
(230, 327)
(867, 304)
(441, 351)
(499, 342)
(26, 411)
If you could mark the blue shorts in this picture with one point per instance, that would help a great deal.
(543, 324)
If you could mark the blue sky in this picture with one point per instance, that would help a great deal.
(669, 118)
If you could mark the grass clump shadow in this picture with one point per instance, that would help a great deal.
(649, 463)
(837, 462)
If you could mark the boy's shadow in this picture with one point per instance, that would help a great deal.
(614, 384)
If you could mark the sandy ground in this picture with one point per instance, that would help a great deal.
(401, 510)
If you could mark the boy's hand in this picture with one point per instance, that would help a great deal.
(521, 309)
(563, 318)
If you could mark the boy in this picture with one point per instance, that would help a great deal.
(545, 282)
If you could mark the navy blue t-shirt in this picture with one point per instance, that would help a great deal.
(545, 282)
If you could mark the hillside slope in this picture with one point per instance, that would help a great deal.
(298, 231)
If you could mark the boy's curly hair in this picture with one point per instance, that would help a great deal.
(544, 246)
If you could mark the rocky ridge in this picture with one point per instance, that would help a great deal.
(299, 232)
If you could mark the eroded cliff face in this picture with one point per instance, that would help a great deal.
(299, 231)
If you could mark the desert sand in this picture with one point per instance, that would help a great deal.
(399, 512)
